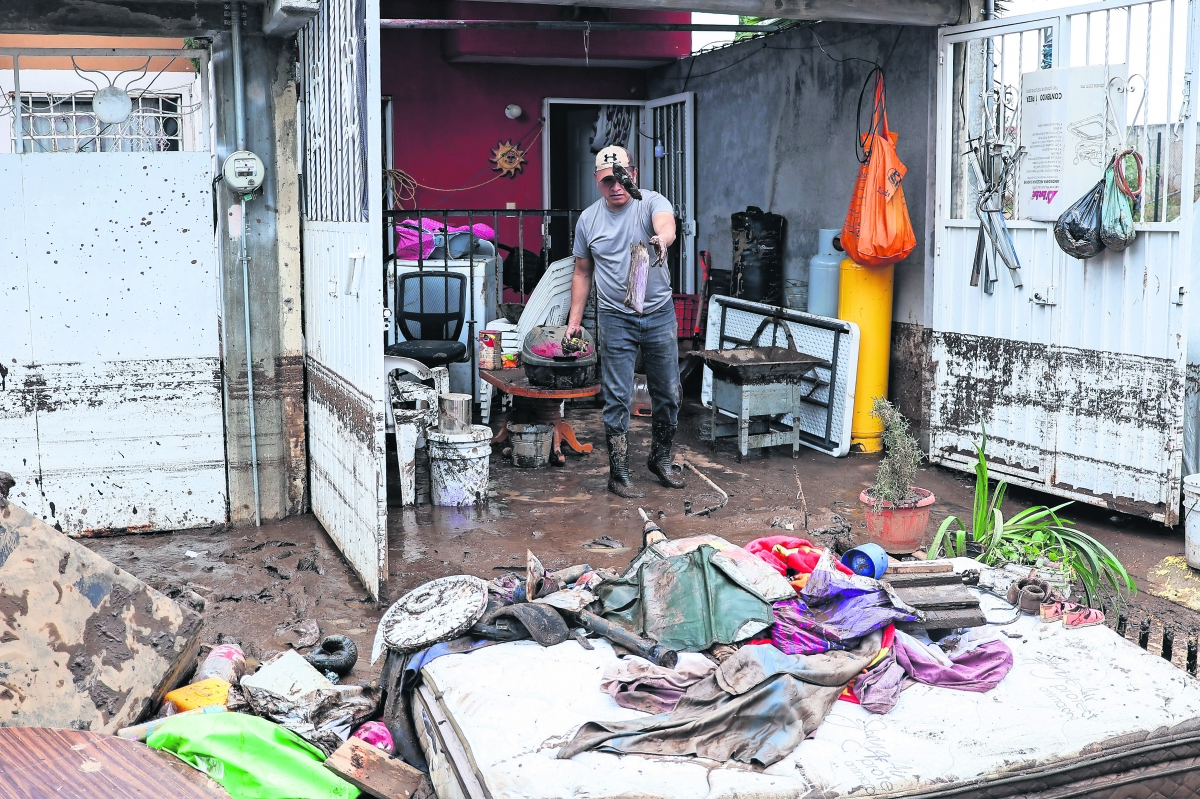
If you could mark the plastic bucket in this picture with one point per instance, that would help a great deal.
(1191, 520)
(531, 444)
(458, 465)
(868, 560)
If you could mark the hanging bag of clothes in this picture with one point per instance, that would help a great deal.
(878, 230)
(1077, 231)
(1116, 217)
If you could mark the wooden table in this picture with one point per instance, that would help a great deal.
(541, 406)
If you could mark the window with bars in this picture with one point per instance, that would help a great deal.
(65, 123)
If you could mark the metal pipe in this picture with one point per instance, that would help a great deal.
(20, 104)
(245, 259)
(239, 88)
(563, 25)
(1144, 634)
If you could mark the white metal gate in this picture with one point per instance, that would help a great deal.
(343, 280)
(668, 167)
(1078, 373)
(110, 372)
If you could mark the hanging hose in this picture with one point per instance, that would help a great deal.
(1119, 173)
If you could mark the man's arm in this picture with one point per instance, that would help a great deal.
(581, 286)
(664, 233)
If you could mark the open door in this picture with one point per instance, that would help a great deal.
(340, 123)
(668, 161)
(1077, 373)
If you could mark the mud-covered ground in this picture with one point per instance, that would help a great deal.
(254, 590)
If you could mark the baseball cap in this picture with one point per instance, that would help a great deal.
(612, 155)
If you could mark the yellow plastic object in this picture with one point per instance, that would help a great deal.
(865, 298)
(213, 691)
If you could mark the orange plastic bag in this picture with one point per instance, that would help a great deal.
(878, 231)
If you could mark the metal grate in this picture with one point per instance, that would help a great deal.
(65, 123)
(334, 138)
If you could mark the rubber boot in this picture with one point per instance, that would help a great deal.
(660, 456)
(619, 481)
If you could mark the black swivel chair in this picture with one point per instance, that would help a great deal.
(430, 312)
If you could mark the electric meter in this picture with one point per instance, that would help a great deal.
(243, 171)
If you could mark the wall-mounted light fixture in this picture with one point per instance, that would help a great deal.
(513, 111)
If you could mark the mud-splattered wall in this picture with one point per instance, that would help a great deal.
(273, 242)
(775, 128)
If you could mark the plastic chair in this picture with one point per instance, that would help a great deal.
(431, 311)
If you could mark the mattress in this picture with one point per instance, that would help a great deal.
(1083, 713)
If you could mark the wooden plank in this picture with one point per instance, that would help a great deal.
(899, 581)
(919, 566)
(88, 645)
(373, 771)
(946, 620)
(76, 764)
(938, 597)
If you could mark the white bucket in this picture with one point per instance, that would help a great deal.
(1191, 520)
(458, 465)
(531, 444)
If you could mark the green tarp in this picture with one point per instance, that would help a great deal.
(685, 602)
(251, 758)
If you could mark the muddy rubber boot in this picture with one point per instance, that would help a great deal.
(619, 481)
(660, 456)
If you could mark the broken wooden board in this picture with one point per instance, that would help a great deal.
(83, 644)
(74, 764)
(946, 620)
(938, 597)
(919, 567)
(899, 581)
(374, 771)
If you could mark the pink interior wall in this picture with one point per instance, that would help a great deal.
(448, 117)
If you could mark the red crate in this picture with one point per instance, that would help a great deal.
(689, 310)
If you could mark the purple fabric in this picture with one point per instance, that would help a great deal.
(878, 689)
(410, 240)
(979, 670)
(845, 620)
(791, 633)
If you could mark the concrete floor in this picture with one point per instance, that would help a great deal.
(253, 590)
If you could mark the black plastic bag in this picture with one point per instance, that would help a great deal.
(1078, 229)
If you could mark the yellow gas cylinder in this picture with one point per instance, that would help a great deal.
(865, 298)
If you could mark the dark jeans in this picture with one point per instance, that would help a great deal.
(620, 336)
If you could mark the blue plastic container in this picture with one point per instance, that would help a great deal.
(869, 560)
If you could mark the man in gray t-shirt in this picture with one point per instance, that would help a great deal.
(615, 233)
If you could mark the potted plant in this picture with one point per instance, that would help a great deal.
(897, 511)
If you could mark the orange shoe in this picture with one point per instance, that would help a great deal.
(1081, 616)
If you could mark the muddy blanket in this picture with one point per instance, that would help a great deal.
(756, 708)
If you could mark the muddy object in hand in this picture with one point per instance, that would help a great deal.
(642, 647)
(337, 653)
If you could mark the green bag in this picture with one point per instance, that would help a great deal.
(251, 758)
(1116, 215)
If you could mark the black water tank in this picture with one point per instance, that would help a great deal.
(758, 255)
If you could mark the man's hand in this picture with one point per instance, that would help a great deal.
(573, 329)
(660, 250)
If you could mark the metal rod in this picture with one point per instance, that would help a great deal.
(245, 259)
(1191, 656)
(1144, 634)
(1122, 623)
(1168, 643)
(714, 486)
(239, 87)
(563, 25)
(20, 104)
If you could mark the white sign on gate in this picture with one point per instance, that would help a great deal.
(1069, 131)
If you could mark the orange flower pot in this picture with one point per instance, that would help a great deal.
(900, 529)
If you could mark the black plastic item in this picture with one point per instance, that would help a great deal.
(337, 653)
(534, 269)
(430, 312)
(719, 282)
(1077, 231)
(758, 238)
(557, 371)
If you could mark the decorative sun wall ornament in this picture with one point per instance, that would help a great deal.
(508, 159)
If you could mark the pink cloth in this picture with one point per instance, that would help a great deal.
(375, 734)
(638, 684)
(410, 240)
(980, 670)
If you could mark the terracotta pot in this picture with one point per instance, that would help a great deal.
(899, 529)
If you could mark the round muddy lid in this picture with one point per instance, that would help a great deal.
(437, 611)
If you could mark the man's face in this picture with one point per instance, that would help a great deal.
(611, 189)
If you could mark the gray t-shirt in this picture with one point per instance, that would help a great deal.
(605, 236)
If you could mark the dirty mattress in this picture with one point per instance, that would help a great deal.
(1083, 713)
